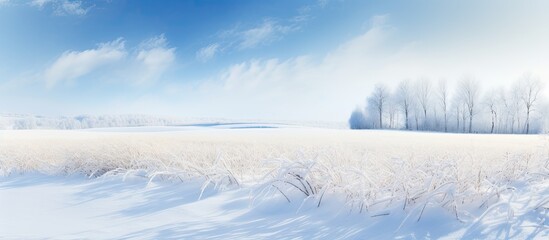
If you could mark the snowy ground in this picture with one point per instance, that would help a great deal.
(38, 206)
(235, 181)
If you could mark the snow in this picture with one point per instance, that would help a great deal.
(39, 206)
(56, 207)
(190, 127)
(256, 180)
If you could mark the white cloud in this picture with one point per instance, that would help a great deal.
(154, 42)
(62, 7)
(253, 36)
(74, 64)
(265, 33)
(208, 52)
(4, 2)
(322, 3)
(302, 87)
(153, 59)
(71, 8)
(110, 62)
(40, 3)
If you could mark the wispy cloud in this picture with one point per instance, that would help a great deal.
(329, 87)
(254, 36)
(265, 33)
(304, 82)
(322, 3)
(74, 64)
(62, 7)
(113, 62)
(206, 53)
(154, 58)
(71, 8)
(40, 3)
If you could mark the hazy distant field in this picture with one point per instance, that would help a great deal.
(250, 145)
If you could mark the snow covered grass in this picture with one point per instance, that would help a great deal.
(400, 179)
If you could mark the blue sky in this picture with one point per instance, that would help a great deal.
(287, 60)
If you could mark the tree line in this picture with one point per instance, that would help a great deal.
(15, 121)
(424, 105)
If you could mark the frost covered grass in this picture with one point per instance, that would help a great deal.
(379, 174)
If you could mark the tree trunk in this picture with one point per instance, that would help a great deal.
(470, 122)
(492, 130)
(457, 121)
(463, 122)
(425, 119)
(518, 124)
(527, 120)
(380, 118)
(406, 123)
(445, 122)
(436, 119)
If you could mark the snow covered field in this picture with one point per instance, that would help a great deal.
(271, 181)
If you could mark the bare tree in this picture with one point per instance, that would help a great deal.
(506, 109)
(416, 115)
(379, 100)
(530, 88)
(392, 110)
(515, 104)
(443, 98)
(423, 93)
(458, 108)
(463, 109)
(457, 117)
(469, 91)
(405, 100)
(358, 119)
(491, 103)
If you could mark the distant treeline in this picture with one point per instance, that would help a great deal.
(14, 121)
(422, 105)
(27, 121)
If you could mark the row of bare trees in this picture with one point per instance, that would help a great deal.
(422, 105)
